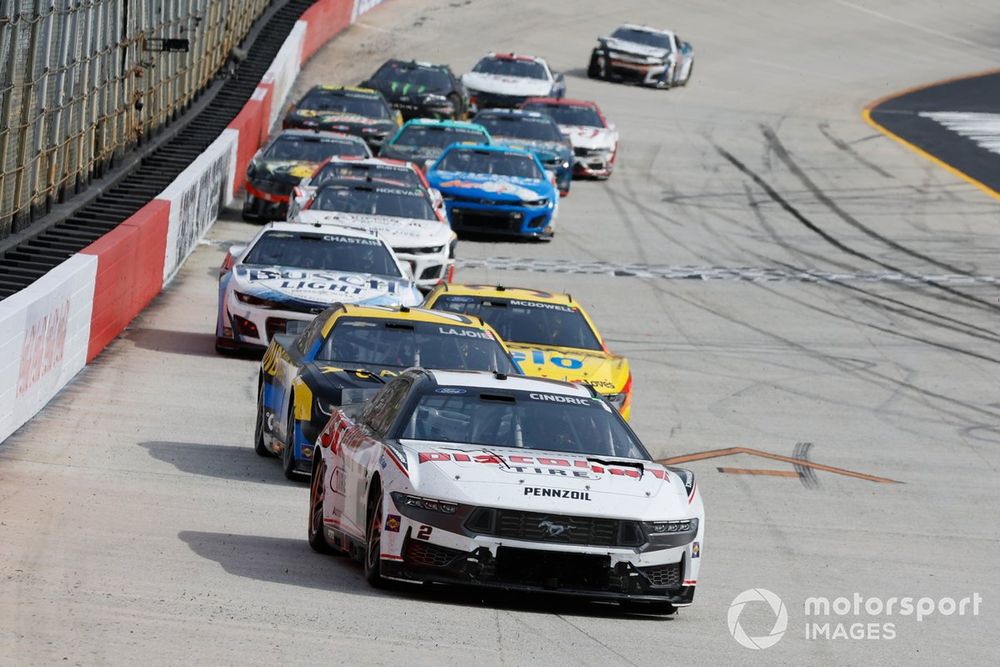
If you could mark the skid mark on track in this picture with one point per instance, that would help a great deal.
(745, 273)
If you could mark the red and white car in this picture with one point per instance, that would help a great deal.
(594, 139)
(503, 481)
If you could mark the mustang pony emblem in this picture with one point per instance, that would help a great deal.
(553, 529)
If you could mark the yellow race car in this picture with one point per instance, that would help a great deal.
(549, 334)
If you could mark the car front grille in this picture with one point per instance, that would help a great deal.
(555, 528)
(425, 554)
(485, 221)
(553, 569)
(663, 575)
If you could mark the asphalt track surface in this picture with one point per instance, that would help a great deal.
(136, 524)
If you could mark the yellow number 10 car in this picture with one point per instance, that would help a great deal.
(550, 335)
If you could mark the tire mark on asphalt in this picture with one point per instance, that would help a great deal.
(809, 224)
(594, 639)
(840, 144)
(782, 153)
(807, 475)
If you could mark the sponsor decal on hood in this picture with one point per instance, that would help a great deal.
(507, 85)
(496, 186)
(338, 117)
(321, 287)
(289, 168)
(582, 136)
(606, 373)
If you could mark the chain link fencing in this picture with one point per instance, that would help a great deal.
(84, 81)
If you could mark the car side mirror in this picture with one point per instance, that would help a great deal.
(612, 127)
(558, 76)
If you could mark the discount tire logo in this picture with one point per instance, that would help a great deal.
(780, 618)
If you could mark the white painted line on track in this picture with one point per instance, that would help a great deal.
(917, 26)
(983, 128)
(743, 273)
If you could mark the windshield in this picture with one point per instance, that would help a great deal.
(437, 136)
(569, 114)
(522, 420)
(322, 252)
(494, 163)
(375, 200)
(528, 69)
(655, 39)
(408, 78)
(380, 342)
(340, 101)
(313, 149)
(531, 128)
(527, 321)
(336, 170)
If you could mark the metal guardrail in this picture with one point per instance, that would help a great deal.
(84, 81)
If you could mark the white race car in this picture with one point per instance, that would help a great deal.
(403, 215)
(643, 55)
(508, 482)
(594, 139)
(291, 271)
(505, 80)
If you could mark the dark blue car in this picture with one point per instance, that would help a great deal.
(495, 190)
(533, 131)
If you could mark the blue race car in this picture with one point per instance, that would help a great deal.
(533, 131)
(496, 190)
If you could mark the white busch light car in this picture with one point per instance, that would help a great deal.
(403, 215)
(506, 80)
(291, 271)
(516, 483)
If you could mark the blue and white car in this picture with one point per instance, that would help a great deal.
(292, 271)
(506, 80)
(496, 190)
(536, 132)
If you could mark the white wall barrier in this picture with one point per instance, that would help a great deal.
(284, 69)
(44, 333)
(196, 197)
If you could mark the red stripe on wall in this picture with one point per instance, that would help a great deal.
(326, 18)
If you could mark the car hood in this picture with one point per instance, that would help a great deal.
(321, 288)
(418, 154)
(553, 148)
(330, 379)
(397, 232)
(291, 171)
(489, 187)
(535, 481)
(506, 85)
(584, 136)
(608, 373)
(635, 48)
(337, 117)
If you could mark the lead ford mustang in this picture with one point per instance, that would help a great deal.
(502, 481)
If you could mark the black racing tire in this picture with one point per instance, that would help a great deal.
(288, 452)
(317, 491)
(373, 538)
(259, 445)
(456, 104)
(690, 74)
(594, 69)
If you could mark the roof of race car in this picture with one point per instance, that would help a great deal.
(318, 134)
(643, 28)
(488, 148)
(408, 315)
(487, 380)
(453, 124)
(342, 230)
(502, 292)
(517, 113)
(561, 101)
(350, 89)
(416, 63)
(515, 56)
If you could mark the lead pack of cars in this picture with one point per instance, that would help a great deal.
(481, 438)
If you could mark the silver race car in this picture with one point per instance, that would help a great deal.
(643, 55)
